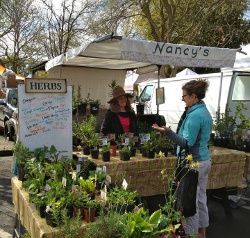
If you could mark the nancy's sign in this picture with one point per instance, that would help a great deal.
(45, 85)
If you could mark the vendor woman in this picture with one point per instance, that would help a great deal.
(120, 117)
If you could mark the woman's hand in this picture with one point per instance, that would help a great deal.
(161, 129)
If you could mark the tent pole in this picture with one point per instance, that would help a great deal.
(60, 72)
(159, 69)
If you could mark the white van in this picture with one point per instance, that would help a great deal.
(226, 87)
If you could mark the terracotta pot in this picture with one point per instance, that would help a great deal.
(89, 215)
(112, 150)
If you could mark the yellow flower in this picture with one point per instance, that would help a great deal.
(163, 171)
(190, 157)
(161, 154)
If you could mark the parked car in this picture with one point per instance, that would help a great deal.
(9, 113)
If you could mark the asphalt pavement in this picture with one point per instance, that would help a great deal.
(6, 206)
(221, 224)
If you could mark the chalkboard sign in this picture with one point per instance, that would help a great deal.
(45, 119)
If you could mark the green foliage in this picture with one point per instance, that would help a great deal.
(109, 224)
(79, 198)
(22, 153)
(125, 150)
(87, 184)
(105, 148)
(119, 196)
(85, 130)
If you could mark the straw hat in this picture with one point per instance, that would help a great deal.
(117, 92)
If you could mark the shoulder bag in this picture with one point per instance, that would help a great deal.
(186, 181)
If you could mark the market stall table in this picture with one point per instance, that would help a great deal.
(28, 214)
(144, 175)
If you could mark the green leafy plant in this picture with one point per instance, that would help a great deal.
(87, 185)
(22, 153)
(105, 148)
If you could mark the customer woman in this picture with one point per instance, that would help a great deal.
(120, 117)
(195, 132)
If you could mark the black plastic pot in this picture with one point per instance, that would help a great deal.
(106, 156)
(94, 153)
(140, 109)
(124, 156)
(82, 108)
(94, 109)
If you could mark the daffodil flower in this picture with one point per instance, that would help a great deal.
(190, 157)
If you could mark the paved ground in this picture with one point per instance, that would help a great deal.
(6, 206)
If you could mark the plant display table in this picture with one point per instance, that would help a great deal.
(247, 167)
(28, 215)
(144, 175)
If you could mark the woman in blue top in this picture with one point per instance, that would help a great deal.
(195, 132)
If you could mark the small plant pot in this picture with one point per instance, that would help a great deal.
(41, 210)
(150, 154)
(76, 210)
(124, 156)
(89, 215)
(94, 153)
(86, 150)
(94, 109)
(20, 172)
(106, 156)
(132, 152)
(112, 150)
(144, 152)
(74, 111)
(82, 108)
(50, 221)
(140, 109)
(70, 211)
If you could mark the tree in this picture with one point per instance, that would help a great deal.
(66, 26)
(22, 26)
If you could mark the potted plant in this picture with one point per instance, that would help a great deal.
(94, 142)
(79, 198)
(94, 106)
(164, 145)
(84, 131)
(121, 200)
(140, 104)
(23, 154)
(112, 147)
(125, 153)
(89, 209)
(106, 152)
(132, 147)
(88, 186)
(74, 101)
(81, 105)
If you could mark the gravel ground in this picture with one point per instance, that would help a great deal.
(6, 205)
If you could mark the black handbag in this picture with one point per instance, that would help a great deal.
(186, 181)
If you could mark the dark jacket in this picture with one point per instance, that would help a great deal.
(111, 124)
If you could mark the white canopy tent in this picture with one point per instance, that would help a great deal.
(116, 52)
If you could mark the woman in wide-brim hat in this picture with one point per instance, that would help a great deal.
(120, 117)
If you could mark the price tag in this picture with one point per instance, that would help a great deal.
(104, 168)
(78, 168)
(64, 181)
(108, 178)
(47, 187)
(74, 188)
(80, 158)
(124, 184)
